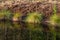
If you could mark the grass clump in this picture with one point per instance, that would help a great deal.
(55, 19)
(16, 16)
(5, 14)
(33, 17)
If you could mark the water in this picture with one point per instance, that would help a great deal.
(25, 31)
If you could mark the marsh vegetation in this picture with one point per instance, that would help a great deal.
(32, 21)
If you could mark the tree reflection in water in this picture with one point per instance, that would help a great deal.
(25, 31)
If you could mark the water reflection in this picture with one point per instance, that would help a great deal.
(24, 31)
(2, 32)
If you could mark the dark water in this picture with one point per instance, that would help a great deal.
(26, 31)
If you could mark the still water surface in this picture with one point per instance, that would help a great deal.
(24, 31)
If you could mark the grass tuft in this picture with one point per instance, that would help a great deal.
(5, 14)
(33, 17)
